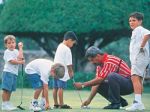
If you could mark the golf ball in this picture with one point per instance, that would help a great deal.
(85, 107)
(20, 43)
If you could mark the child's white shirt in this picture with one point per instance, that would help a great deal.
(136, 40)
(41, 67)
(11, 55)
(63, 55)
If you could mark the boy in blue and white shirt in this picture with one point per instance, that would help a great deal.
(63, 55)
(12, 58)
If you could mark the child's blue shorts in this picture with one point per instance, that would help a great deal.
(35, 81)
(59, 84)
(9, 81)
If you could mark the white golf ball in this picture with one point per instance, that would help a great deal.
(86, 107)
(20, 44)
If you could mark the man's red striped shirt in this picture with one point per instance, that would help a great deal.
(110, 64)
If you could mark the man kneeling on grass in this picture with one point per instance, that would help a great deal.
(112, 79)
(38, 72)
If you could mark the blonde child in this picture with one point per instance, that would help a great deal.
(12, 58)
(38, 72)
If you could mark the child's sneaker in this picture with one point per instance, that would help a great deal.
(8, 106)
(136, 106)
(42, 104)
(11, 106)
(34, 106)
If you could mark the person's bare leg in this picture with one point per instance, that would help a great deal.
(60, 94)
(6, 95)
(138, 87)
(137, 84)
(37, 93)
(55, 96)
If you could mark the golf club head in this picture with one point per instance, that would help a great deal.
(21, 108)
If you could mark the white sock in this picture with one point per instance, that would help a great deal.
(4, 102)
(138, 98)
(43, 99)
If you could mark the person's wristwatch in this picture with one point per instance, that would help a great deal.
(141, 49)
(82, 85)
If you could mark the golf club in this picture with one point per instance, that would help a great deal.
(146, 71)
(83, 107)
(77, 91)
(19, 106)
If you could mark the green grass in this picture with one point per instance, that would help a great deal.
(71, 98)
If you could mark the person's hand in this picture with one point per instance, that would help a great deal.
(20, 45)
(22, 61)
(71, 76)
(78, 85)
(86, 103)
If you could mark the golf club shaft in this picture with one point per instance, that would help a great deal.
(77, 91)
(145, 73)
(19, 106)
(22, 83)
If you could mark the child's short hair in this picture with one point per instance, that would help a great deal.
(59, 70)
(137, 15)
(11, 37)
(70, 35)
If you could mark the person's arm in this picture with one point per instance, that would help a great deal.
(20, 58)
(93, 82)
(17, 61)
(145, 39)
(45, 94)
(20, 49)
(70, 70)
(92, 95)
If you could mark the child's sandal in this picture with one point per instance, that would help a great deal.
(65, 106)
(56, 106)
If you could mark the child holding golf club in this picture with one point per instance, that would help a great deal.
(38, 72)
(13, 58)
(139, 57)
(63, 55)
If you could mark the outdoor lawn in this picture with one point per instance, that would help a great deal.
(71, 98)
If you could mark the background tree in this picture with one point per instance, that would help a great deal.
(95, 22)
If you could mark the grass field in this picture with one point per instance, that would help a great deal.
(71, 98)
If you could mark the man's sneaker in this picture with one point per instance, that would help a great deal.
(113, 106)
(136, 106)
(34, 106)
(8, 106)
